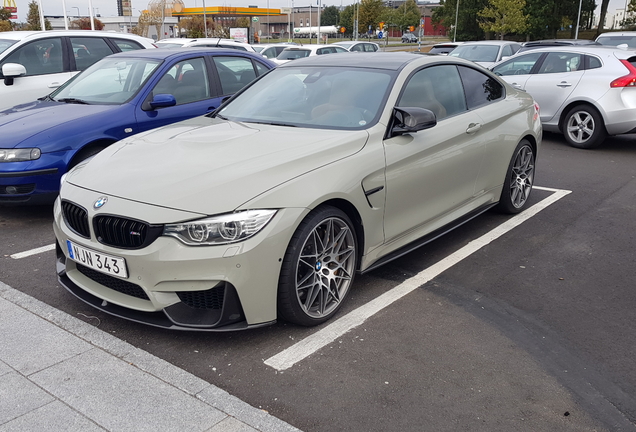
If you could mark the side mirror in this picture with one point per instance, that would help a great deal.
(162, 100)
(11, 71)
(411, 119)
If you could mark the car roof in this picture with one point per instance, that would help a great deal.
(618, 33)
(370, 60)
(557, 42)
(490, 42)
(447, 45)
(597, 49)
(168, 53)
(26, 34)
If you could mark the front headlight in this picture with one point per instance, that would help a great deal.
(19, 155)
(222, 229)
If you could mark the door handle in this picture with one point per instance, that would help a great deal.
(54, 85)
(564, 84)
(473, 127)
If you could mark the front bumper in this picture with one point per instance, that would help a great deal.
(32, 182)
(174, 286)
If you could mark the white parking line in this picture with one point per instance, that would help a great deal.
(33, 251)
(304, 348)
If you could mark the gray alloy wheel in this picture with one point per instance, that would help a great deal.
(583, 127)
(519, 179)
(318, 268)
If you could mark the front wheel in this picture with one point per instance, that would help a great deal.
(519, 179)
(318, 268)
(583, 127)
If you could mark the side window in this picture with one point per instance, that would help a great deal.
(126, 45)
(592, 62)
(437, 88)
(260, 69)
(88, 50)
(480, 89)
(234, 73)
(270, 53)
(359, 47)
(40, 57)
(507, 51)
(521, 65)
(187, 81)
(558, 62)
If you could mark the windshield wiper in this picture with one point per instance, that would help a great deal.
(46, 98)
(73, 100)
(271, 123)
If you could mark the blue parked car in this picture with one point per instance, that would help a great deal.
(119, 96)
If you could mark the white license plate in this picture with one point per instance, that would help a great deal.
(104, 263)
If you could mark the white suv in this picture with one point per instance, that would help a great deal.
(34, 63)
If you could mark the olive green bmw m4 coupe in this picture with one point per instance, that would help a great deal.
(268, 207)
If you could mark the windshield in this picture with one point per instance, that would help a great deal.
(111, 81)
(6, 43)
(293, 54)
(168, 45)
(314, 97)
(483, 53)
(617, 40)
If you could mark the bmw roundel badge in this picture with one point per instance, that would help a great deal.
(100, 202)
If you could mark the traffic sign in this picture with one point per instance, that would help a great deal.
(380, 35)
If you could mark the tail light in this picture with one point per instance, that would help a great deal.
(628, 80)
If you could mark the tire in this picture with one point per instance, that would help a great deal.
(318, 268)
(519, 179)
(583, 127)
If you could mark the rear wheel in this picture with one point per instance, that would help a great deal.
(583, 127)
(318, 268)
(519, 179)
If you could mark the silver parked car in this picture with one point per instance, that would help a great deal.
(585, 92)
(268, 207)
(487, 52)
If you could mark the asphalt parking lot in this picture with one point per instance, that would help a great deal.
(495, 327)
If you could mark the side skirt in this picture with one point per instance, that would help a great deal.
(427, 238)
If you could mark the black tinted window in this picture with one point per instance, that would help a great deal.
(40, 57)
(593, 62)
(479, 88)
(436, 88)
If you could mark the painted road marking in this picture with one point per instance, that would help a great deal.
(33, 251)
(304, 348)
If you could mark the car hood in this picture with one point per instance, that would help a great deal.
(25, 121)
(209, 165)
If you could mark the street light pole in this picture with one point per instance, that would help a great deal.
(90, 12)
(205, 21)
(456, 16)
(578, 20)
(65, 17)
(42, 17)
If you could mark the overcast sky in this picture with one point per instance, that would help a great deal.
(109, 7)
